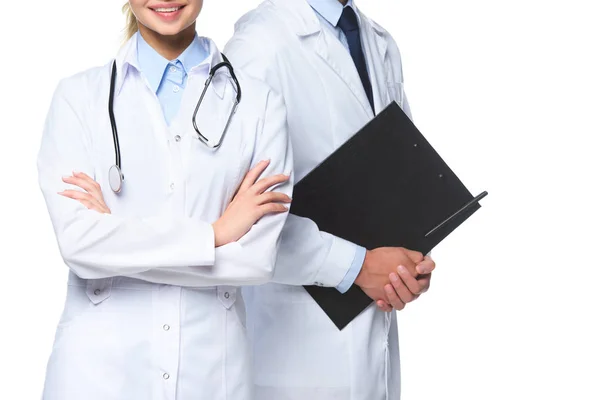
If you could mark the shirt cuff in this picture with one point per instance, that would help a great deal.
(357, 263)
(336, 265)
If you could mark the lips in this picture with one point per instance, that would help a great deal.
(166, 10)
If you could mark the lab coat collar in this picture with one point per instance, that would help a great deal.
(127, 58)
(380, 34)
(215, 57)
(151, 63)
(302, 19)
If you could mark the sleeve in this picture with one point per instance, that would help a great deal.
(98, 245)
(159, 249)
(394, 54)
(306, 256)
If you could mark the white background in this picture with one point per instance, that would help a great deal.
(508, 92)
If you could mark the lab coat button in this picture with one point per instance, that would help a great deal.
(173, 69)
(166, 327)
(175, 89)
(166, 376)
(177, 138)
(226, 296)
(98, 290)
(172, 186)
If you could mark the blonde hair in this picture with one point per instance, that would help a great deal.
(132, 25)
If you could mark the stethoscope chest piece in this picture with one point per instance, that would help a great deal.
(115, 179)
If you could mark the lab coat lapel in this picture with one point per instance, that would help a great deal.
(375, 48)
(332, 51)
(305, 23)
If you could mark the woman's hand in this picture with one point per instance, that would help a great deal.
(251, 203)
(92, 197)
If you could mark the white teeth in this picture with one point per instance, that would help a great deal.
(166, 10)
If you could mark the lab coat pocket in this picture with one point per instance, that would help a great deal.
(211, 172)
(239, 309)
(288, 354)
(82, 299)
(77, 304)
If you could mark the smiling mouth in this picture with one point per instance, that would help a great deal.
(167, 10)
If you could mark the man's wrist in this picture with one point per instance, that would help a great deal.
(362, 275)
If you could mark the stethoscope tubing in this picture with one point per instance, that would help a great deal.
(116, 176)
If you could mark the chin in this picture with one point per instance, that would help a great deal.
(168, 30)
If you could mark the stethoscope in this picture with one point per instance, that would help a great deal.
(115, 174)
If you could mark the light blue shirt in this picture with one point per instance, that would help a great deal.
(329, 13)
(168, 78)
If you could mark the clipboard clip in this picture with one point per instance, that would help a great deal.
(456, 214)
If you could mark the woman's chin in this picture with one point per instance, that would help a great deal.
(168, 30)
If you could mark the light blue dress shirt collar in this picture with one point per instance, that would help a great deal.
(331, 10)
(153, 65)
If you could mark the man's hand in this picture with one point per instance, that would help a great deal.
(405, 288)
(381, 267)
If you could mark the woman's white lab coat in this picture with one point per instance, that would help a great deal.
(152, 309)
(299, 353)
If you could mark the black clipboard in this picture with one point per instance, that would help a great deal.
(386, 186)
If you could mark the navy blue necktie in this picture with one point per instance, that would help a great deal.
(348, 23)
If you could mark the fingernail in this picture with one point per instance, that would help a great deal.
(421, 269)
(401, 269)
(394, 277)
